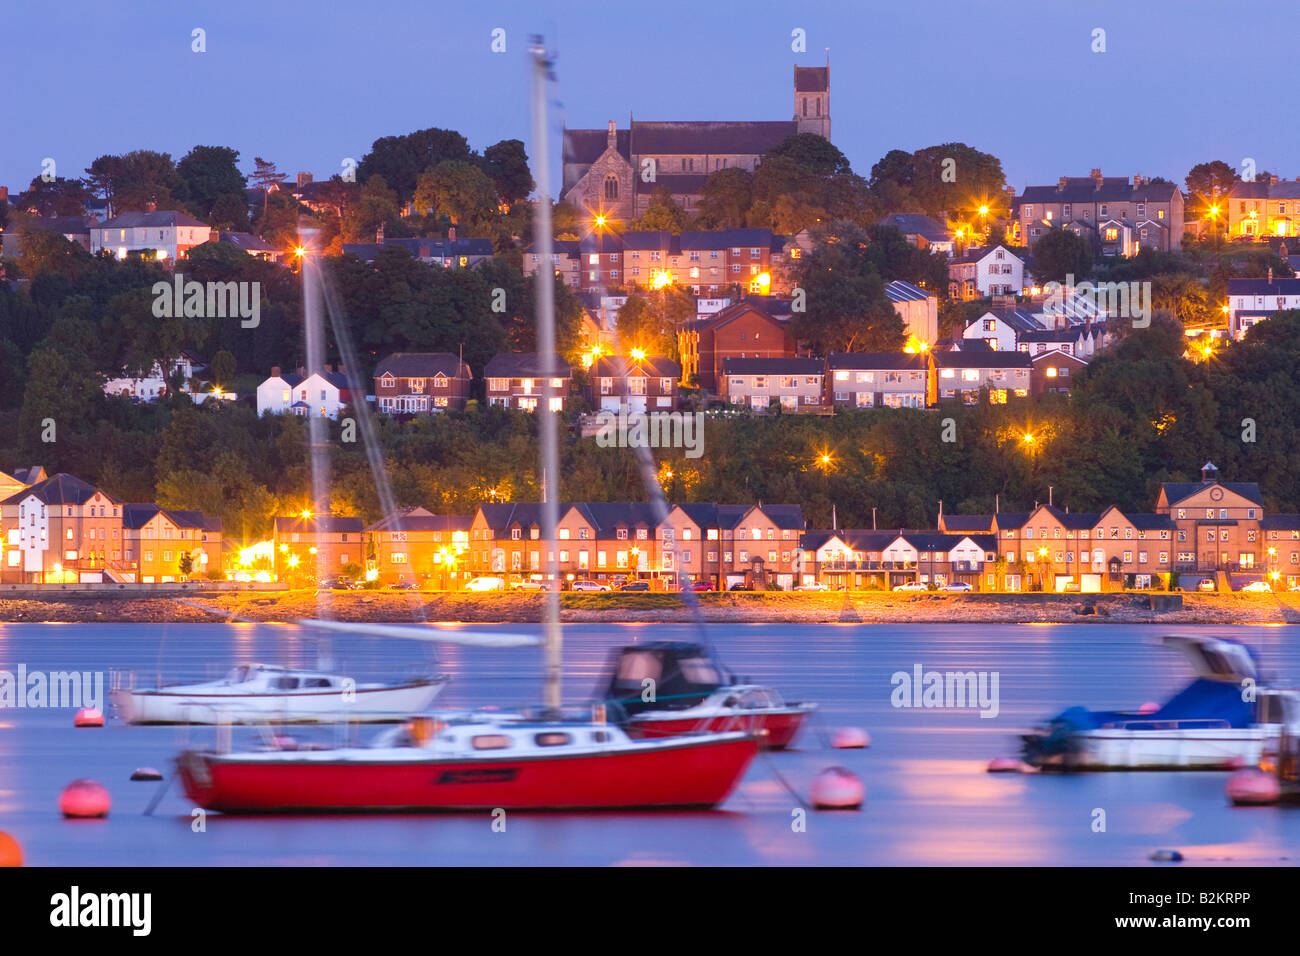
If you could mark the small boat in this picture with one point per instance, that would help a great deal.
(262, 693)
(666, 688)
(440, 763)
(1216, 722)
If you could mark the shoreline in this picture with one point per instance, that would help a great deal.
(859, 607)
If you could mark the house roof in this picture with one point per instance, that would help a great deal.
(420, 365)
(773, 366)
(522, 365)
(585, 146)
(1085, 189)
(967, 523)
(976, 253)
(1151, 522)
(981, 359)
(619, 366)
(164, 218)
(1019, 319)
(1263, 287)
(917, 224)
(423, 248)
(248, 242)
(728, 239)
(875, 360)
(1262, 189)
(420, 519)
(316, 524)
(137, 514)
(812, 79)
(1280, 522)
(60, 489)
(1176, 491)
(900, 291)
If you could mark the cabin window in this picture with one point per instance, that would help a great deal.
(490, 742)
(285, 683)
(552, 739)
(316, 682)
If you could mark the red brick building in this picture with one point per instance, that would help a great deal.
(738, 331)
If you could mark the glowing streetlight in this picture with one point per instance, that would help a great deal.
(306, 514)
(638, 354)
(1029, 438)
(661, 279)
(984, 210)
(599, 221)
(299, 252)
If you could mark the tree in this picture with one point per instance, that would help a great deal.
(663, 215)
(207, 173)
(725, 198)
(223, 367)
(1211, 180)
(847, 309)
(59, 197)
(229, 214)
(459, 191)
(135, 180)
(812, 153)
(401, 160)
(641, 327)
(1061, 254)
(266, 177)
(506, 164)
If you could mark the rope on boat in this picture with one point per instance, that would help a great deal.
(771, 765)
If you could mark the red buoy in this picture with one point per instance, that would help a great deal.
(88, 717)
(85, 800)
(1253, 787)
(1148, 708)
(850, 738)
(836, 788)
(11, 854)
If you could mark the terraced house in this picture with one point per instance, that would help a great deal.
(415, 382)
(1116, 215)
(419, 546)
(879, 379)
(795, 384)
(168, 544)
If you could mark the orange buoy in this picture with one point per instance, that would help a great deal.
(836, 788)
(1148, 708)
(850, 738)
(11, 854)
(1253, 787)
(88, 717)
(146, 773)
(1008, 765)
(85, 799)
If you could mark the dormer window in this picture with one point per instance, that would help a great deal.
(387, 381)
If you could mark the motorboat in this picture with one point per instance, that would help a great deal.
(267, 693)
(1216, 722)
(667, 688)
(448, 763)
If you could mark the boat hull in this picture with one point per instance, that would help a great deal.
(682, 773)
(776, 728)
(1203, 749)
(362, 705)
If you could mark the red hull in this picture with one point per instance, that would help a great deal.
(699, 773)
(776, 729)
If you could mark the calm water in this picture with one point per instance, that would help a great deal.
(929, 800)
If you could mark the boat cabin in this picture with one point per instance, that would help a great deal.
(663, 675)
(273, 677)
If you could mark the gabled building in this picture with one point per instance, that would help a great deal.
(60, 530)
(922, 231)
(326, 542)
(985, 271)
(1251, 301)
(1263, 208)
(153, 385)
(1218, 523)
(1002, 329)
(918, 309)
(163, 545)
(421, 547)
(275, 395)
(168, 234)
(320, 393)
(742, 330)
(634, 383)
(514, 380)
(878, 379)
(450, 253)
(796, 384)
(415, 382)
(962, 375)
(1117, 216)
(1054, 372)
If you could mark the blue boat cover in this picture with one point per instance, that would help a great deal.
(1202, 700)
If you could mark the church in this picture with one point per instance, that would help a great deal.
(614, 172)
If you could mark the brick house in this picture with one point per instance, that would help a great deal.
(962, 375)
(407, 382)
(330, 541)
(742, 330)
(797, 384)
(514, 381)
(61, 529)
(632, 383)
(1053, 371)
(878, 379)
(1116, 216)
(419, 546)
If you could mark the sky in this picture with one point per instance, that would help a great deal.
(309, 85)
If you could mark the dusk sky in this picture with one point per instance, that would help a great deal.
(306, 84)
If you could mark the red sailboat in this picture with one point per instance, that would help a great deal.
(474, 763)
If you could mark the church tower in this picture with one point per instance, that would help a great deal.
(812, 99)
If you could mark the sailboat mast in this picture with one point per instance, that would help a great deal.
(546, 362)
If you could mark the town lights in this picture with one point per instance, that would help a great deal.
(662, 279)
(984, 210)
(638, 354)
(306, 513)
(299, 252)
(1029, 438)
(599, 221)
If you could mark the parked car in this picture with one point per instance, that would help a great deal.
(1072, 587)
(528, 584)
(404, 586)
(741, 586)
(702, 586)
(636, 586)
(1205, 584)
(911, 586)
(588, 586)
(964, 586)
(1258, 587)
(814, 586)
(486, 584)
(339, 583)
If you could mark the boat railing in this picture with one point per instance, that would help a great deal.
(1191, 723)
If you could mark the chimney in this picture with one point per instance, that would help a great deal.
(1272, 180)
(1096, 177)
(451, 233)
(151, 206)
(275, 371)
(611, 138)
(1209, 474)
(1060, 184)
(1270, 275)
(379, 233)
(304, 179)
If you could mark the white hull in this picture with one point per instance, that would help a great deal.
(1207, 749)
(362, 705)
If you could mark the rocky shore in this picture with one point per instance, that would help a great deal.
(770, 608)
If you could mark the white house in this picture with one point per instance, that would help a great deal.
(320, 393)
(170, 234)
(151, 387)
(1001, 330)
(1253, 300)
(998, 271)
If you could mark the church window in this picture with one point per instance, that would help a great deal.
(611, 187)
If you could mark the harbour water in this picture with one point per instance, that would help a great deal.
(929, 799)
